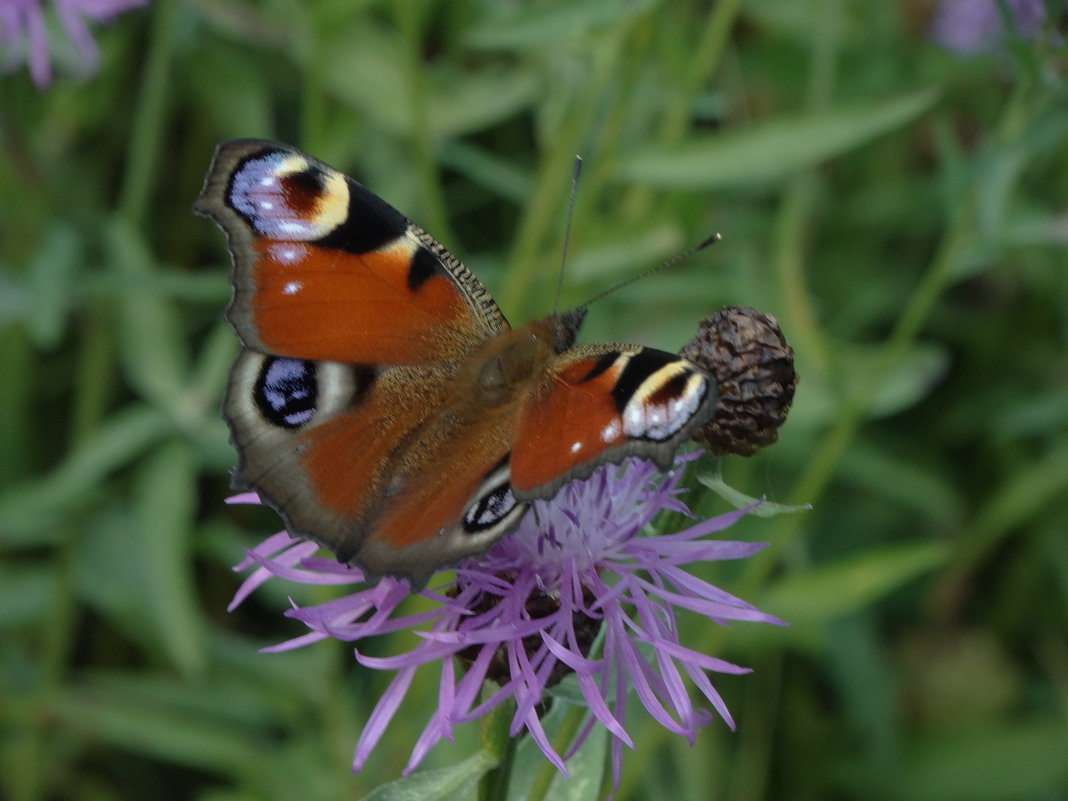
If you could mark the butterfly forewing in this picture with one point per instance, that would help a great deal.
(605, 403)
(326, 270)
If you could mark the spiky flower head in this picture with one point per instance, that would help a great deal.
(580, 589)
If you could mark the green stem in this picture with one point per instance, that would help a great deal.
(494, 785)
(498, 742)
(313, 96)
(146, 133)
(799, 316)
(33, 777)
(525, 267)
(420, 132)
(702, 59)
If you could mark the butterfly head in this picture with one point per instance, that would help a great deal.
(564, 328)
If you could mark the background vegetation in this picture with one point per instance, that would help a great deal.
(900, 207)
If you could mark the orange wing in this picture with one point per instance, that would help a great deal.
(603, 403)
(370, 463)
(326, 270)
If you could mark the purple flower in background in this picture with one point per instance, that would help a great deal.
(24, 31)
(968, 27)
(576, 589)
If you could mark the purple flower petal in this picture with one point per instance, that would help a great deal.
(969, 27)
(528, 612)
(24, 35)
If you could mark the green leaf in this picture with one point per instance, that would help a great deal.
(365, 72)
(166, 497)
(494, 731)
(585, 769)
(32, 506)
(625, 253)
(483, 167)
(158, 730)
(1023, 761)
(739, 499)
(907, 382)
(49, 286)
(242, 113)
(771, 151)
(850, 585)
(151, 339)
(445, 784)
(540, 24)
(27, 594)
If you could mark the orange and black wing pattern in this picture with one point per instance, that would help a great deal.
(326, 270)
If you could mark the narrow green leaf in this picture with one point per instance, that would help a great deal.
(508, 180)
(31, 506)
(540, 24)
(27, 594)
(244, 113)
(494, 731)
(851, 584)
(585, 768)
(174, 735)
(446, 784)
(1024, 761)
(367, 75)
(50, 285)
(739, 499)
(166, 497)
(151, 340)
(771, 151)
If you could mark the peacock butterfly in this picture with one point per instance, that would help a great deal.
(381, 403)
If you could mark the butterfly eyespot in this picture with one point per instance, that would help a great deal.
(285, 197)
(491, 509)
(287, 391)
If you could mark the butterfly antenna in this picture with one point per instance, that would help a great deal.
(576, 170)
(669, 263)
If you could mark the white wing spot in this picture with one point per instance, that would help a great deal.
(288, 252)
(292, 287)
(576, 447)
(297, 228)
(610, 433)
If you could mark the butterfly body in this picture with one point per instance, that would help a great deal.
(381, 403)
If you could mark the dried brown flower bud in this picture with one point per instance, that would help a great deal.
(747, 353)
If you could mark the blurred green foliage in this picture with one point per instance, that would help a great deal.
(902, 210)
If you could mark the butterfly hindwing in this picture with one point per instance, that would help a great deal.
(326, 270)
(364, 460)
(603, 403)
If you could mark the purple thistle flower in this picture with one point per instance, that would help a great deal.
(969, 27)
(575, 589)
(24, 32)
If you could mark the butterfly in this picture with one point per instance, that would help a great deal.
(381, 403)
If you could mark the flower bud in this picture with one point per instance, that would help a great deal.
(754, 367)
